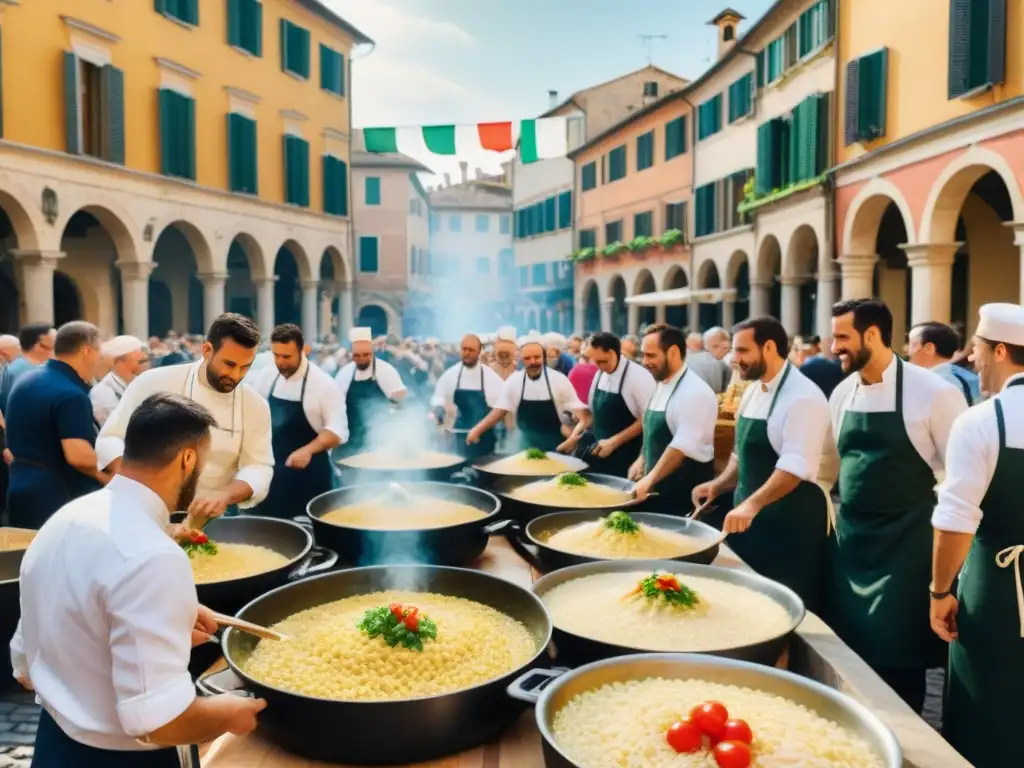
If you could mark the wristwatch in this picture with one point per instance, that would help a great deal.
(939, 595)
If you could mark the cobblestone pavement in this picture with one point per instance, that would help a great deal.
(19, 715)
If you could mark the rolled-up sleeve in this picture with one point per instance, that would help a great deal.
(565, 395)
(256, 458)
(333, 408)
(511, 392)
(153, 606)
(971, 458)
(691, 417)
(804, 429)
(389, 379)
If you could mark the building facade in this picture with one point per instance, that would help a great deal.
(392, 243)
(159, 165)
(930, 156)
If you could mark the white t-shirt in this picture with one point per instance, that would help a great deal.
(108, 604)
(637, 390)
(388, 378)
(691, 414)
(971, 458)
(562, 391)
(470, 379)
(105, 396)
(323, 404)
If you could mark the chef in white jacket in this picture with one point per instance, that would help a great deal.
(241, 460)
(469, 389)
(128, 359)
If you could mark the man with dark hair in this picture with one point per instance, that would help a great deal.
(824, 371)
(892, 422)
(978, 521)
(932, 345)
(779, 524)
(679, 425)
(36, 341)
(465, 394)
(241, 458)
(618, 397)
(51, 430)
(371, 386)
(307, 415)
(109, 612)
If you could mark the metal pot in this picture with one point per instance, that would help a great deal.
(551, 690)
(482, 464)
(359, 475)
(384, 732)
(10, 606)
(573, 650)
(530, 542)
(458, 544)
(525, 511)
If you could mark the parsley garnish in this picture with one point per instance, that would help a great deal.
(572, 480)
(535, 453)
(665, 585)
(620, 522)
(398, 625)
(207, 547)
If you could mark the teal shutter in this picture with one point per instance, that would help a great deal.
(242, 154)
(285, 48)
(342, 182)
(256, 27)
(760, 69)
(191, 12)
(189, 137)
(112, 89)
(874, 74)
(252, 154)
(166, 130)
(326, 79)
(74, 135)
(851, 121)
(235, 23)
(234, 153)
(161, 6)
(959, 47)
(995, 33)
(341, 73)
(765, 160)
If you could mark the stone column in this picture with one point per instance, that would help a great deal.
(858, 271)
(659, 313)
(791, 303)
(325, 307)
(213, 295)
(1018, 240)
(579, 314)
(135, 296)
(760, 298)
(265, 304)
(346, 312)
(310, 289)
(728, 314)
(826, 298)
(35, 277)
(931, 275)
(606, 315)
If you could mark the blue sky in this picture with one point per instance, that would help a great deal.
(469, 61)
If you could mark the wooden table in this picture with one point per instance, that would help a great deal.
(815, 652)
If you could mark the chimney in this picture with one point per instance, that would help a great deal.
(553, 99)
(447, 180)
(727, 22)
(464, 167)
(650, 92)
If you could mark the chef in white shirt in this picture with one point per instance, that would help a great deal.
(892, 422)
(241, 460)
(370, 386)
(679, 426)
(543, 400)
(109, 611)
(779, 522)
(469, 389)
(128, 359)
(307, 416)
(619, 395)
(979, 528)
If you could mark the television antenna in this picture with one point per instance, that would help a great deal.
(648, 41)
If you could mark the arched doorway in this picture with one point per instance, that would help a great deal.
(801, 267)
(677, 315)
(738, 278)
(287, 290)
(769, 270)
(244, 268)
(67, 301)
(710, 312)
(333, 279)
(591, 308)
(893, 281)
(619, 313)
(9, 301)
(373, 317)
(175, 292)
(644, 283)
(92, 241)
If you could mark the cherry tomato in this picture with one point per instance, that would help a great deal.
(201, 538)
(738, 730)
(396, 610)
(666, 583)
(412, 622)
(684, 736)
(710, 717)
(732, 754)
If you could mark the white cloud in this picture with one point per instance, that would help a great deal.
(391, 26)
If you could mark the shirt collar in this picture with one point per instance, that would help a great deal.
(888, 375)
(202, 381)
(671, 380)
(1013, 378)
(66, 370)
(142, 496)
(771, 386)
(300, 371)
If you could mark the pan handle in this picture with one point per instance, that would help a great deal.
(206, 685)
(497, 526)
(529, 685)
(327, 557)
(304, 521)
(529, 553)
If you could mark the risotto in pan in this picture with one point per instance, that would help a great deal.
(619, 537)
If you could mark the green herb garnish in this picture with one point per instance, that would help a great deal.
(398, 624)
(572, 480)
(620, 522)
(666, 586)
(208, 548)
(535, 453)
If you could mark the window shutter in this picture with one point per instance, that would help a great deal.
(284, 44)
(166, 108)
(189, 138)
(996, 63)
(72, 125)
(234, 152)
(342, 182)
(112, 88)
(160, 6)
(252, 157)
(851, 123)
(235, 22)
(874, 74)
(959, 48)
(256, 19)
(763, 174)
(760, 69)
(340, 63)
(192, 12)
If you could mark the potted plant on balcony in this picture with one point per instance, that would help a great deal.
(582, 255)
(613, 251)
(639, 245)
(670, 239)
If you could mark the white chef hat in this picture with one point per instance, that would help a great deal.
(554, 340)
(507, 333)
(122, 345)
(360, 334)
(1002, 322)
(531, 338)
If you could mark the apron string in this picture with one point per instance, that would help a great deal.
(1006, 558)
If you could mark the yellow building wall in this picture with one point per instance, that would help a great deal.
(35, 38)
(916, 32)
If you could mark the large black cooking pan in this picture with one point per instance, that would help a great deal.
(395, 732)
(458, 544)
(360, 475)
(530, 541)
(573, 649)
(525, 511)
(484, 465)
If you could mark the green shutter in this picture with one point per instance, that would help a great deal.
(160, 6)
(851, 121)
(192, 12)
(765, 160)
(166, 130)
(284, 25)
(760, 69)
(995, 35)
(959, 47)
(71, 124)
(873, 79)
(112, 90)
(342, 182)
(256, 27)
(189, 138)
(235, 23)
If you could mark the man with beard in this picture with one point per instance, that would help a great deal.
(471, 390)
(779, 522)
(241, 460)
(370, 386)
(505, 352)
(307, 418)
(539, 396)
(109, 610)
(679, 425)
(128, 358)
(618, 397)
(892, 422)
(978, 520)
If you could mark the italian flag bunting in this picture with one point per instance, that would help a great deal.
(539, 139)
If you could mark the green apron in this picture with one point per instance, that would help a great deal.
(676, 490)
(472, 405)
(538, 420)
(364, 402)
(986, 662)
(880, 553)
(612, 416)
(786, 541)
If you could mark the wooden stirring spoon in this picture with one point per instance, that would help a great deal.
(248, 627)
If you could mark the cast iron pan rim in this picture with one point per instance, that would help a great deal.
(496, 457)
(541, 649)
(670, 565)
(594, 477)
(294, 561)
(344, 463)
(481, 521)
